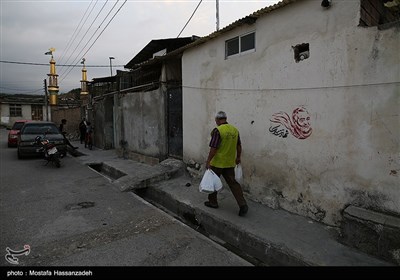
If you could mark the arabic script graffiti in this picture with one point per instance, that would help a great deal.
(10, 256)
(279, 132)
(298, 125)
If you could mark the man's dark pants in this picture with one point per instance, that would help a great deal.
(229, 176)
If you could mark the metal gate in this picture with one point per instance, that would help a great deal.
(175, 134)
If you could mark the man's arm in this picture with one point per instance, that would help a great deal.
(214, 143)
(238, 150)
(211, 154)
(238, 153)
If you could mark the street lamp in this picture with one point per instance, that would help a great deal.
(111, 57)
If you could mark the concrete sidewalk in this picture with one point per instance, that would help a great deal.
(264, 236)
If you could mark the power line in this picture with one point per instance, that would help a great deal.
(189, 19)
(80, 31)
(47, 64)
(83, 37)
(72, 37)
(105, 27)
(76, 63)
(187, 22)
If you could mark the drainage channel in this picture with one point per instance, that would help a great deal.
(186, 215)
(189, 218)
(107, 171)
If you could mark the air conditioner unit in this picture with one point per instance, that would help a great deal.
(304, 55)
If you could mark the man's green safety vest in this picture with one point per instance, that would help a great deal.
(226, 152)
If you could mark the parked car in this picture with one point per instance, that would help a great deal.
(13, 133)
(28, 133)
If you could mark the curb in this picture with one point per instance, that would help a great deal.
(256, 250)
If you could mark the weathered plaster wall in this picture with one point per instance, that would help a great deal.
(103, 123)
(26, 111)
(144, 124)
(349, 153)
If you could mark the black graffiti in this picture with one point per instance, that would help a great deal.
(280, 133)
(10, 256)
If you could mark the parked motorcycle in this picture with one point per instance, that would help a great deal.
(51, 153)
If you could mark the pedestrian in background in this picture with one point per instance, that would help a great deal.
(82, 130)
(225, 151)
(89, 138)
(64, 133)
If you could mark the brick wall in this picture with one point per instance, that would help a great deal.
(73, 117)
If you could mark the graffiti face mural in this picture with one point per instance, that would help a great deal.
(298, 124)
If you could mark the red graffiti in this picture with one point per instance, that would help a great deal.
(298, 125)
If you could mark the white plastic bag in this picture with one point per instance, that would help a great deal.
(239, 173)
(210, 182)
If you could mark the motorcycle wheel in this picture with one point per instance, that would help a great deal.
(57, 162)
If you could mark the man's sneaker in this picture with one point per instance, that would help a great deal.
(208, 204)
(243, 210)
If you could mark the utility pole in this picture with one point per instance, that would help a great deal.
(217, 14)
(46, 101)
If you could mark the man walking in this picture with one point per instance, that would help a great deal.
(224, 154)
(82, 130)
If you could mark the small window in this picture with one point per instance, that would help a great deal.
(232, 47)
(240, 44)
(247, 42)
(15, 110)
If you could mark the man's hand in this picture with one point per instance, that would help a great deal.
(238, 153)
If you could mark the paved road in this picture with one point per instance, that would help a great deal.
(74, 216)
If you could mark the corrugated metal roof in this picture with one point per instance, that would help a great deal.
(154, 46)
(109, 79)
(22, 99)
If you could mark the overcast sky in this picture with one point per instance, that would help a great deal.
(30, 27)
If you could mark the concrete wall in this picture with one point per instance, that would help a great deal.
(103, 135)
(347, 152)
(73, 117)
(140, 124)
(8, 121)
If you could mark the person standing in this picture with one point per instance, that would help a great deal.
(225, 152)
(63, 132)
(89, 137)
(82, 130)
(61, 127)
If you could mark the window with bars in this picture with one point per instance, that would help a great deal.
(15, 110)
(240, 45)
